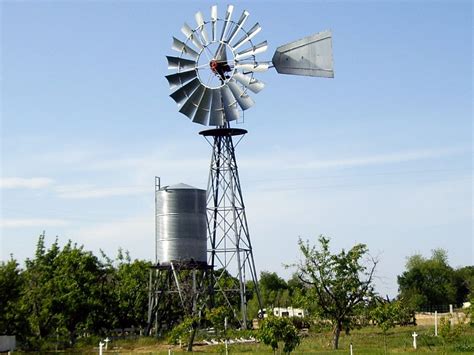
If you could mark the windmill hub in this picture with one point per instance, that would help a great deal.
(215, 65)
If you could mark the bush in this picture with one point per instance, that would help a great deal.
(182, 330)
(275, 330)
(448, 333)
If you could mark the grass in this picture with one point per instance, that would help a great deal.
(369, 340)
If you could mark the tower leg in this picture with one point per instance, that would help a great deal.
(231, 255)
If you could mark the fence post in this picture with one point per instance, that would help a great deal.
(451, 321)
(436, 323)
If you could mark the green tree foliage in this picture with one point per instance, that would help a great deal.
(431, 282)
(341, 282)
(39, 295)
(130, 291)
(217, 316)
(385, 315)
(182, 331)
(448, 332)
(464, 282)
(226, 282)
(64, 293)
(275, 330)
(273, 290)
(12, 317)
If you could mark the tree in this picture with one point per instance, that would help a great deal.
(275, 329)
(63, 292)
(273, 290)
(12, 319)
(130, 291)
(385, 316)
(342, 282)
(428, 282)
(38, 294)
(464, 282)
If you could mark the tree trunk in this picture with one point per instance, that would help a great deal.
(336, 333)
(191, 338)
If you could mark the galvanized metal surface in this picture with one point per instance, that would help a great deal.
(310, 56)
(214, 72)
(181, 226)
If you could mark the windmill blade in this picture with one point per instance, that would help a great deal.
(259, 48)
(214, 22)
(238, 25)
(180, 63)
(202, 113)
(186, 91)
(230, 104)
(189, 33)
(253, 67)
(191, 104)
(244, 100)
(248, 36)
(184, 48)
(179, 79)
(200, 22)
(228, 15)
(310, 56)
(216, 117)
(249, 82)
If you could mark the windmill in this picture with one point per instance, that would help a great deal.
(214, 76)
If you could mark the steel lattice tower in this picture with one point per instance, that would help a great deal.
(213, 77)
(229, 238)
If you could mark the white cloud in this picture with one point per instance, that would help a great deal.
(32, 222)
(25, 183)
(90, 191)
(380, 159)
(288, 161)
(135, 234)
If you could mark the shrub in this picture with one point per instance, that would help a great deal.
(275, 330)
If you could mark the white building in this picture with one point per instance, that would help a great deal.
(289, 312)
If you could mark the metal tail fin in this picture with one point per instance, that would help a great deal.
(310, 56)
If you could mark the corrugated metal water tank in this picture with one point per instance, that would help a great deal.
(181, 224)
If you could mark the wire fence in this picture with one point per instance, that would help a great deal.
(443, 308)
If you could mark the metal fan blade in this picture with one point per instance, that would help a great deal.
(180, 63)
(259, 48)
(251, 83)
(228, 15)
(216, 117)
(311, 56)
(189, 33)
(238, 25)
(186, 91)
(253, 67)
(202, 113)
(214, 22)
(200, 22)
(191, 104)
(179, 79)
(184, 48)
(230, 104)
(248, 36)
(244, 100)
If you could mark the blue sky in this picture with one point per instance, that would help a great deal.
(381, 154)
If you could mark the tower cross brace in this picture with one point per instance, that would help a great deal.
(229, 238)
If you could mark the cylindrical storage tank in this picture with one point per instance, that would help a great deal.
(181, 224)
